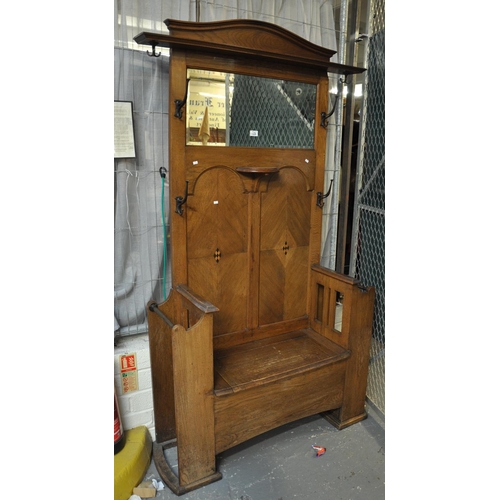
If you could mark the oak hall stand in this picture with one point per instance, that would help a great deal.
(254, 333)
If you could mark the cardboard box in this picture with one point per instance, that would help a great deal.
(145, 490)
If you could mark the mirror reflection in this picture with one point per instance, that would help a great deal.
(225, 109)
(339, 306)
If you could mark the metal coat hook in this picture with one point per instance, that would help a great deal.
(362, 36)
(320, 196)
(179, 104)
(153, 54)
(179, 201)
(324, 116)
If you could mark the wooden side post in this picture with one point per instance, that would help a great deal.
(192, 352)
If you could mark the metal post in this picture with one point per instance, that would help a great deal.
(333, 222)
(361, 150)
(351, 49)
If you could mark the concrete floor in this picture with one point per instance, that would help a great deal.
(281, 464)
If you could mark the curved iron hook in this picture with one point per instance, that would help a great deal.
(179, 104)
(324, 116)
(153, 54)
(320, 196)
(179, 201)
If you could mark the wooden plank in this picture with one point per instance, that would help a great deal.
(321, 339)
(253, 67)
(246, 414)
(296, 278)
(193, 375)
(264, 361)
(257, 170)
(233, 290)
(167, 473)
(257, 37)
(261, 332)
(177, 176)
(284, 247)
(195, 299)
(217, 239)
(199, 159)
(360, 332)
(228, 350)
(320, 270)
(253, 264)
(160, 349)
(247, 40)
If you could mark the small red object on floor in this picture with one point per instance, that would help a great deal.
(319, 450)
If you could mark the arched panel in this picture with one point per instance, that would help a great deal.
(217, 246)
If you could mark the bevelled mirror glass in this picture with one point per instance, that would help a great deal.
(226, 109)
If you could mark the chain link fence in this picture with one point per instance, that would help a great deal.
(368, 242)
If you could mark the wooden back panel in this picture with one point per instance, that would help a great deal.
(284, 247)
(217, 245)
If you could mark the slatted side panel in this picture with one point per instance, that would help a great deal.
(331, 304)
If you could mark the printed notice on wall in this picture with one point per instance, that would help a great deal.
(124, 130)
(128, 369)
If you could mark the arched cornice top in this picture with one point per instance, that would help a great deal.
(249, 34)
(244, 38)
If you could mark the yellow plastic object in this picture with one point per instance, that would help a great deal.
(132, 462)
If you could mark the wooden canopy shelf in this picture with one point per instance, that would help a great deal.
(246, 38)
(255, 333)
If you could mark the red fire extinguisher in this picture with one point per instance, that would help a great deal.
(119, 436)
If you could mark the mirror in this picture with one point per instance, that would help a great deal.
(227, 109)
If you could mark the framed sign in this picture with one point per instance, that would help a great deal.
(124, 130)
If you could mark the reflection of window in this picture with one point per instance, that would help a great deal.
(239, 110)
(339, 306)
(207, 95)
